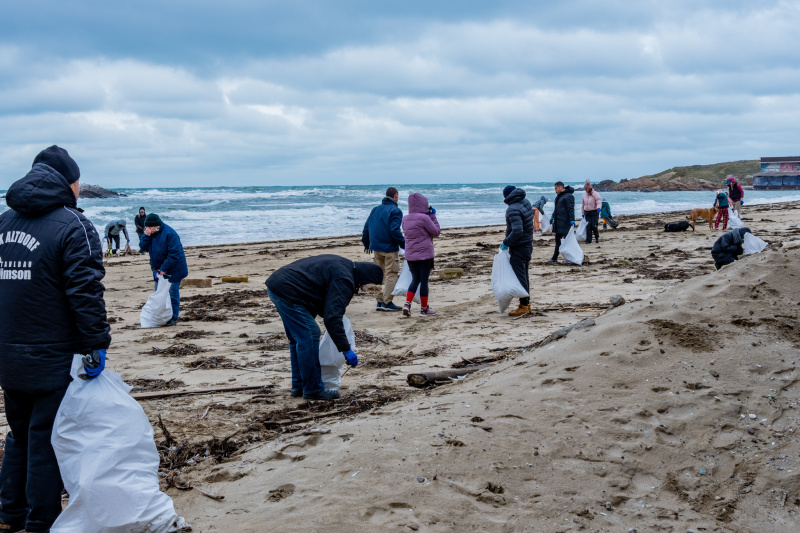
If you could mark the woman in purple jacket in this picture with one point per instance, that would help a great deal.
(420, 227)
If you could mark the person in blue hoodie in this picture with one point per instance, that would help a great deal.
(51, 307)
(383, 237)
(166, 258)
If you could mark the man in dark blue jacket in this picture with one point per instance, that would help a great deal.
(383, 237)
(563, 218)
(51, 307)
(519, 238)
(166, 258)
(311, 287)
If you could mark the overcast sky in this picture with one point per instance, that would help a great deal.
(255, 92)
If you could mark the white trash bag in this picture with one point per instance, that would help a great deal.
(734, 222)
(581, 231)
(108, 461)
(752, 244)
(331, 360)
(570, 249)
(403, 281)
(545, 225)
(158, 309)
(505, 284)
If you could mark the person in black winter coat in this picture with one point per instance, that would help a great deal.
(51, 307)
(519, 240)
(138, 221)
(563, 218)
(317, 286)
(729, 247)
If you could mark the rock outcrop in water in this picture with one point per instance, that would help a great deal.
(95, 191)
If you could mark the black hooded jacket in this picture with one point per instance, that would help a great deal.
(324, 285)
(519, 220)
(51, 295)
(564, 211)
(730, 246)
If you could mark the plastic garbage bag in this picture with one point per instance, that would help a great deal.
(505, 284)
(752, 244)
(581, 231)
(570, 249)
(108, 461)
(331, 359)
(403, 281)
(734, 222)
(545, 226)
(158, 309)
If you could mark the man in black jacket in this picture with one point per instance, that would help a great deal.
(519, 239)
(563, 218)
(729, 247)
(138, 221)
(51, 307)
(317, 286)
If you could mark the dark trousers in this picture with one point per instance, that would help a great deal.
(722, 260)
(592, 220)
(520, 261)
(140, 233)
(559, 237)
(114, 242)
(303, 334)
(420, 273)
(30, 482)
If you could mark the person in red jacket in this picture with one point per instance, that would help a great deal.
(735, 195)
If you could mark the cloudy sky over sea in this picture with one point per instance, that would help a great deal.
(255, 92)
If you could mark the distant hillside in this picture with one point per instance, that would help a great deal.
(692, 178)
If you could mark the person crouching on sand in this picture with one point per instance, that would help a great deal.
(729, 247)
(519, 238)
(317, 286)
(166, 258)
(420, 227)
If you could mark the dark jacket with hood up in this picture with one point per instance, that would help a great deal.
(564, 211)
(51, 295)
(382, 229)
(519, 220)
(324, 285)
(730, 246)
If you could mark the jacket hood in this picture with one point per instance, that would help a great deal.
(568, 189)
(543, 199)
(367, 273)
(417, 203)
(388, 200)
(738, 234)
(39, 192)
(515, 196)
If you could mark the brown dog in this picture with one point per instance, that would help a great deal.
(705, 214)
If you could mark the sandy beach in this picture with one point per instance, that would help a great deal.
(676, 410)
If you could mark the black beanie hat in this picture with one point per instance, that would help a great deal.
(508, 190)
(59, 159)
(152, 220)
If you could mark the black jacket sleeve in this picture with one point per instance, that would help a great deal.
(571, 207)
(81, 278)
(339, 294)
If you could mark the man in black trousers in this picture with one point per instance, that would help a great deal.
(519, 241)
(51, 307)
(563, 218)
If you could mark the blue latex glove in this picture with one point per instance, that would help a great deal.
(583, 216)
(106, 237)
(129, 240)
(94, 363)
(573, 223)
(503, 247)
(351, 358)
(431, 210)
(155, 275)
(741, 202)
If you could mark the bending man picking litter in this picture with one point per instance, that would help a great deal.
(311, 287)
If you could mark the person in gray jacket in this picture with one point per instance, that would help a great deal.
(538, 211)
(519, 240)
(112, 235)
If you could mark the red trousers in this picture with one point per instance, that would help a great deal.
(722, 214)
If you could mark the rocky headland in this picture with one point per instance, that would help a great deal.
(691, 178)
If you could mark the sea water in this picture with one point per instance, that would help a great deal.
(221, 215)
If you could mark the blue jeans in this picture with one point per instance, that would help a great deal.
(303, 334)
(30, 482)
(174, 297)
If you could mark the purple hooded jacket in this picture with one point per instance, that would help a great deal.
(420, 227)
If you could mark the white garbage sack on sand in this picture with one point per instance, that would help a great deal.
(158, 309)
(734, 222)
(403, 281)
(108, 461)
(752, 244)
(505, 284)
(570, 249)
(331, 359)
(545, 226)
(581, 231)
